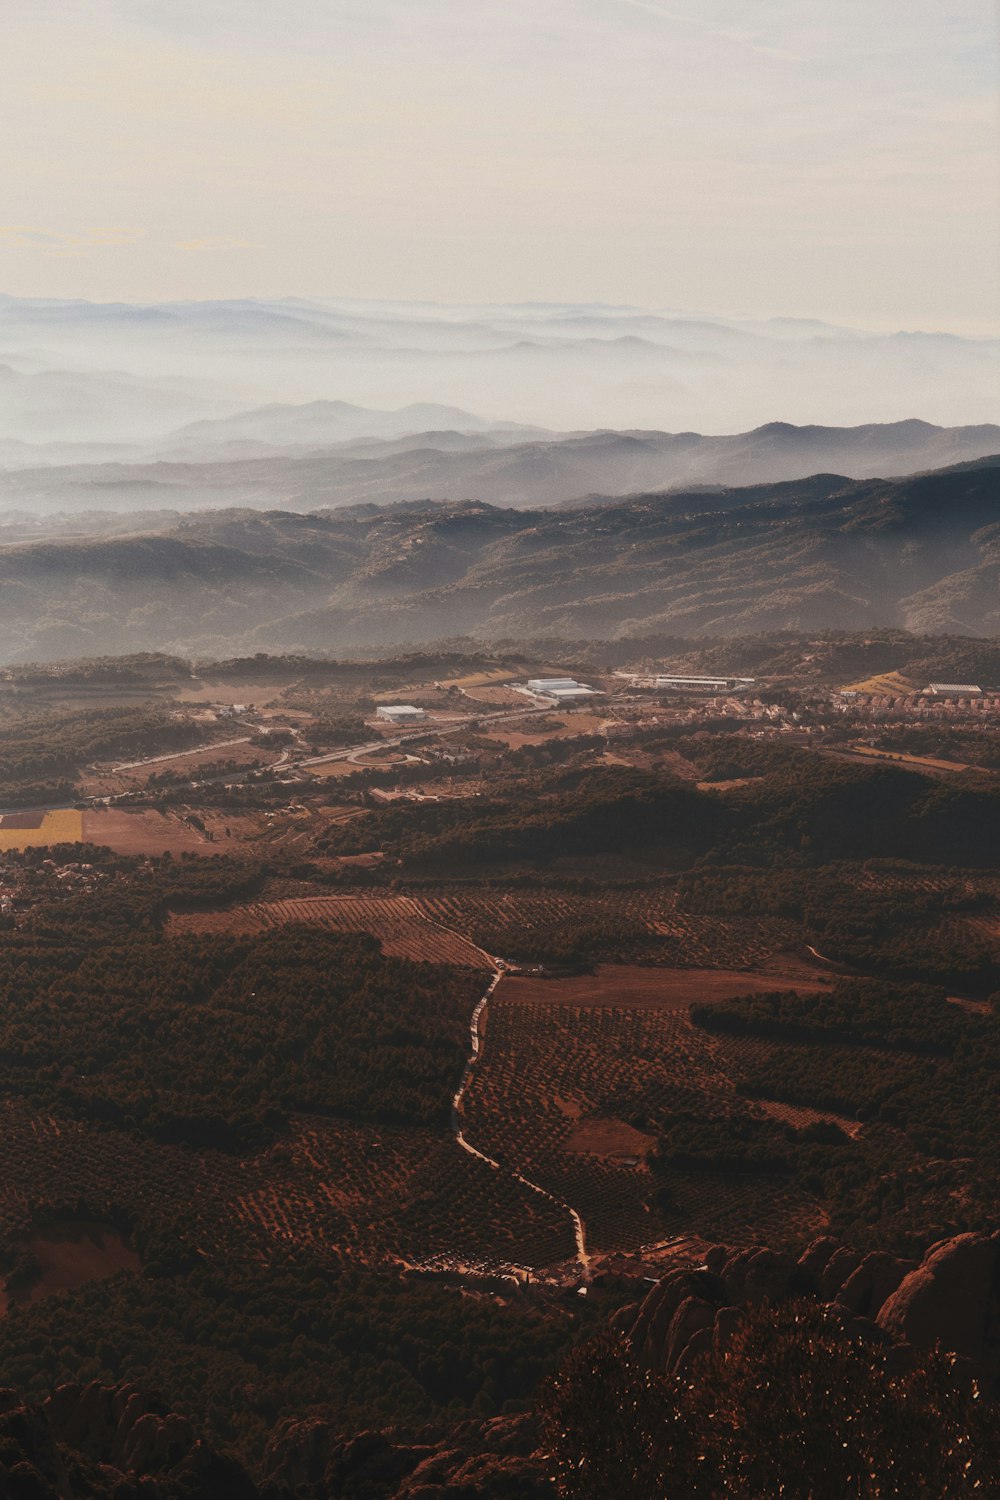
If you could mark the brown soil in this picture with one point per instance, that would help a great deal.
(612, 1138)
(22, 820)
(567, 728)
(624, 986)
(333, 768)
(258, 692)
(497, 697)
(71, 1255)
(79, 1253)
(145, 832)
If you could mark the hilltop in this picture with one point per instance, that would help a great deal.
(332, 454)
(826, 552)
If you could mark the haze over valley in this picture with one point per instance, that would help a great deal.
(128, 376)
(499, 750)
(822, 553)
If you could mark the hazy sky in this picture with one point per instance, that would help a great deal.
(830, 158)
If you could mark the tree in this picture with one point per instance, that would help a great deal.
(793, 1407)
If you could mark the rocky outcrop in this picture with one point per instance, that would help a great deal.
(493, 1460)
(96, 1441)
(115, 1443)
(951, 1298)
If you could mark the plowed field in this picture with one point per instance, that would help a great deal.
(144, 832)
(628, 987)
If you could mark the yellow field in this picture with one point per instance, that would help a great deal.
(910, 760)
(887, 684)
(62, 827)
(479, 679)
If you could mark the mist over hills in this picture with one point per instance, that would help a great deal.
(565, 367)
(824, 552)
(218, 476)
(495, 462)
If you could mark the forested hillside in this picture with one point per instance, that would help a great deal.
(825, 553)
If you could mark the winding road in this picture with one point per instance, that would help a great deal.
(475, 1052)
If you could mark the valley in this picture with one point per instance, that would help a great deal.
(531, 1003)
(499, 751)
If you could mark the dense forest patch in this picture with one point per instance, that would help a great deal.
(214, 1041)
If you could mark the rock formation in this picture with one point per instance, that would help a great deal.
(951, 1298)
(84, 1443)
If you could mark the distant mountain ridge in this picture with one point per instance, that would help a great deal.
(564, 367)
(324, 424)
(825, 552)
(468, 457)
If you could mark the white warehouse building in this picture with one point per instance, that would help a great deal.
(560, 689)
(705, 684)
(400, 713)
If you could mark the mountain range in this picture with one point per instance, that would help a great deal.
(563, 367)
(921, 552)
(329, 454)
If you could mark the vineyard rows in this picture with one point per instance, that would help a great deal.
(641, 926)
(546, 1068)
(627, 926)
(887, 881)
(334, 1190)
(398, 923)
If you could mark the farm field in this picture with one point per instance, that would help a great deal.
(479, 679)
(333, 1191)
(144, 832)
(398, 922)
(884, 684)
(904, 758)
(260, 691)
(623, 986)
(496, 696)
(36, 830)
(72, 1253)
(239, 751)
(631, 926)
(555, 1097)
(330, 768)
(566, 726)
(638, 928)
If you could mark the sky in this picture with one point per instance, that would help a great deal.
(757, 157)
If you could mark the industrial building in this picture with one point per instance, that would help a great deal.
(400, 713)
(953, 690)
(705, 684)
(560, 689)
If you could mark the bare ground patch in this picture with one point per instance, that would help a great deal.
(145, 832)
(626, 986)
(610, 1138)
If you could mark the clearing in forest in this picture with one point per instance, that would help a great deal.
(36, 830)
(884, 684)
(629, 987)
(145, 832)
